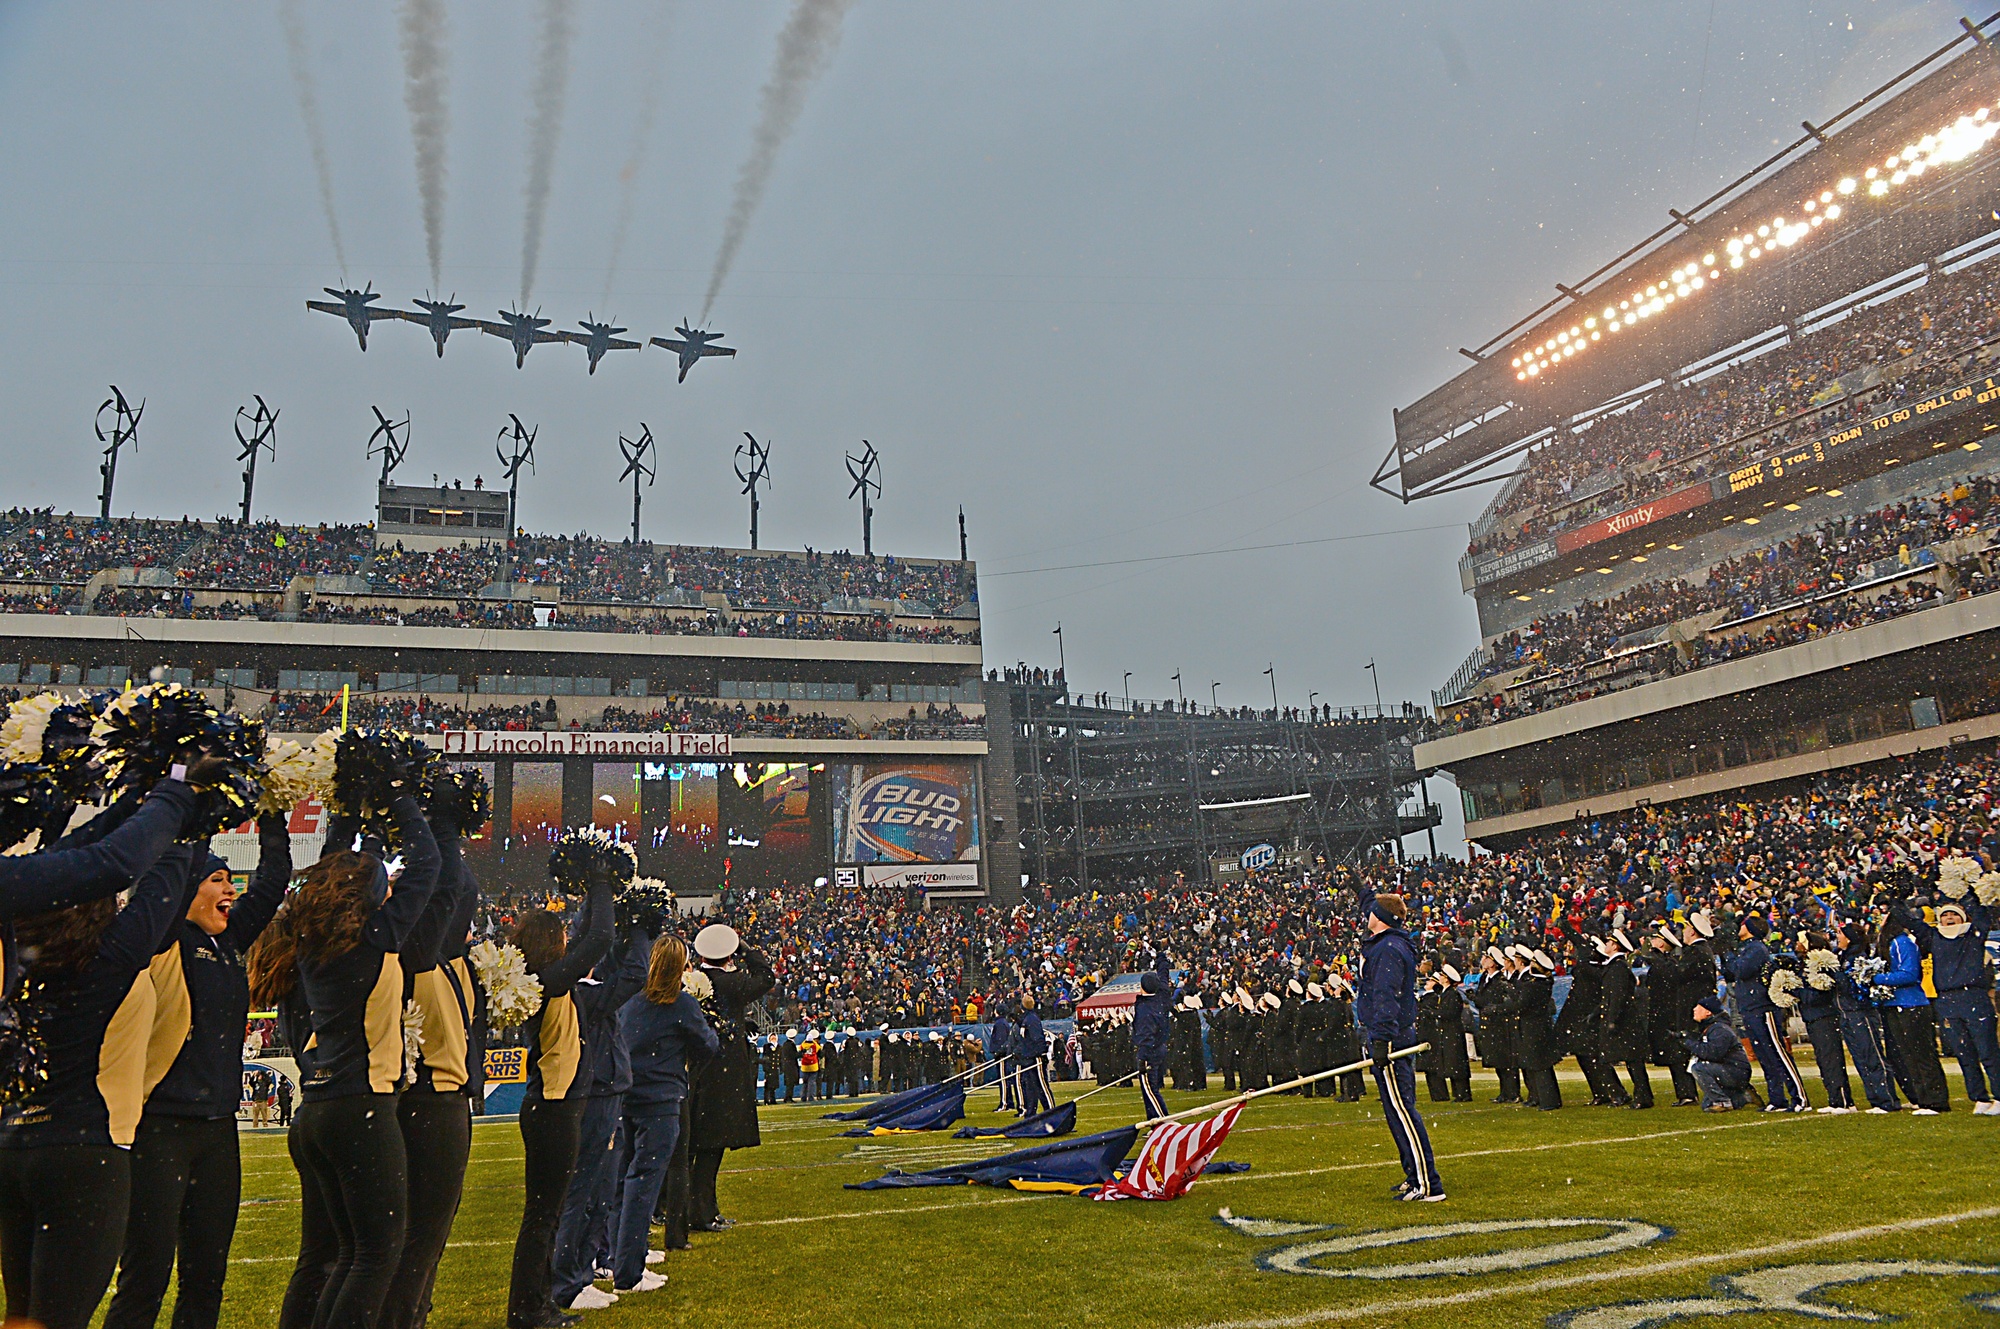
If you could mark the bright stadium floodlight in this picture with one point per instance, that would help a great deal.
(1954, 143)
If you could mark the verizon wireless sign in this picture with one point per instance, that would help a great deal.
(921, 876)
(581, 743)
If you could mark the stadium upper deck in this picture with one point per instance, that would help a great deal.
(341, 574)
(1888, 186)
(1773, 453)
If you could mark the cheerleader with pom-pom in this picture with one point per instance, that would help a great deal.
(552, 1107)
(331, 965)
(435, 1111)
(186, 1172)
(65, 1160)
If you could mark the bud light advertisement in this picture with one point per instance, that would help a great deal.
(906, 814)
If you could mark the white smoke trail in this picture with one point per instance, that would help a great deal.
(425, 85)
(650, 83)
(804, 47)
(545, 127)
(295, 48)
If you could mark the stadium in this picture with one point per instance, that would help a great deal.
(414, 916)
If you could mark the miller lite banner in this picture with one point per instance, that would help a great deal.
(905, 813)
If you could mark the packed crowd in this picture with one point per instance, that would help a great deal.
(1808, 573)
(293, 712)
(592, 569)
(265, 555)
(812, 595)
(46, 548)
(1895, 351)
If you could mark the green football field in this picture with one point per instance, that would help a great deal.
(1591, 1218)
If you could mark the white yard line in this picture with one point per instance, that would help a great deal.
(1772, 1120)
(1392, 1309)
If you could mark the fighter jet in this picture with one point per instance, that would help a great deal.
(692, 347)
(523, 331)
(437, 316)
(597, 338)
(354, 307)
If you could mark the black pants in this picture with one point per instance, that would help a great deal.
(1913, 1037)
(550, 1129)
(1543, 1089)
(1350, 1087)
(354, 1195)
(1685, 1088)
(437, 1138)
(1510, 1084)
(187, 1184)
(62, 1220)
(1832, 1060)
(1602, 1079)
(703, 1207)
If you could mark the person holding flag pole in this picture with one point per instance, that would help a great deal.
(1387, 1009)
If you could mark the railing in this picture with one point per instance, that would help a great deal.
(1462, 679)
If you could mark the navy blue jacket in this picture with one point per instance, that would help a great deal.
(1151, 1018)
(1817, 1005)
(1717, 1044)
(1002, 1036)
(1387, 1004)
(657, 1041)
(1744, 968)
(1030, 1042)
(336, 993)
(206, 1078)
(1958, 964)
(600, 1002)
(74, 1008)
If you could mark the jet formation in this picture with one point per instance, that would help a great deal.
(520, 330)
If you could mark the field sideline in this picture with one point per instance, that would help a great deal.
(1685, 1198)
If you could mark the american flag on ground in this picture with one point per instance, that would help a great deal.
(1172, 1157)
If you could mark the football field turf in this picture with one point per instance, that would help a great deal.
(1579, 1215)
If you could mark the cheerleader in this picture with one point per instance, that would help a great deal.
(186, 1176)
(331, 966)
(663, 1029)
(552, 1107)
(434, 1112)
(65, 1161)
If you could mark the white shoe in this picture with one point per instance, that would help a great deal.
(650, 1281)
(1826, 1111)
(1986, 1107)
(593, 1299)
(1878, 1112)
(1923, 1112)
(655, 1257)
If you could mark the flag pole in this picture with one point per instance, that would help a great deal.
(1363, 1064)
(1102, 1087)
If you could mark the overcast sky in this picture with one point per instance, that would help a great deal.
(1125, 280)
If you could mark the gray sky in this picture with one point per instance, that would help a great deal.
(1126, 280)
